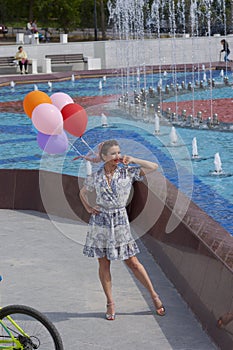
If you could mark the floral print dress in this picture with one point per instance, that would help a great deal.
(109, 231)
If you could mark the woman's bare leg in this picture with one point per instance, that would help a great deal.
(142, 276)
(106, 281)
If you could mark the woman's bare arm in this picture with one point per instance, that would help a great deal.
(83, 196)
(146, 165)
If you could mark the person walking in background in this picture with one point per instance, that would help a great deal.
(109, 236)
(225, 49)
(21, 58)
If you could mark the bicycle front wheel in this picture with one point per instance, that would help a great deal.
(31, 328)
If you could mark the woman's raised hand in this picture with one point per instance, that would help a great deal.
(127, 159)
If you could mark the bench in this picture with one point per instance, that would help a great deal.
(7, 63)
(74, 61)
(66, 58)
(68, 61)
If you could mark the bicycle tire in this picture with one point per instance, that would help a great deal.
(42, 332)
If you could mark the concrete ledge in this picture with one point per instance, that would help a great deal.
(106, 51)
(38, 190)
(46, 66)
(197, 255)
(33, 63)
(92, 63)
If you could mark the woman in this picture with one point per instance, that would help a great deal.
(109, 237)
(21, 57)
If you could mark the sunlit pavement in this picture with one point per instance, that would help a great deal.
(43, 266)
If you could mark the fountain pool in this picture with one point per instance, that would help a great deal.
(19, 148)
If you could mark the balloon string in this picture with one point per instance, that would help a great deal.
(88, 145)
(75, 148)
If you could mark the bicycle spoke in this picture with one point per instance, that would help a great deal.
(29, 328)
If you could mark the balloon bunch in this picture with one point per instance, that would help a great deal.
(51, 116)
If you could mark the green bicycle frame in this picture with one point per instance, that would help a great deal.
(4, 343)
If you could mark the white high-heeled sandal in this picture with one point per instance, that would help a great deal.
(110, 317)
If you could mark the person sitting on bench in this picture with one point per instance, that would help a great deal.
(21, 57)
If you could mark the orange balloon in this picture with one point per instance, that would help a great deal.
(33, 99)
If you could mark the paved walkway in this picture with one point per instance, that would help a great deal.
(43, 266)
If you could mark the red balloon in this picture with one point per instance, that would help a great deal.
(75, 119)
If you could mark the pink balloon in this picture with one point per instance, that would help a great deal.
(47, 119)
(60, 100)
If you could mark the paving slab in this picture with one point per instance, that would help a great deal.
(43, 266)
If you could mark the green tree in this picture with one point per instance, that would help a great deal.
(13, 10)
(65, 13)
(87, 19)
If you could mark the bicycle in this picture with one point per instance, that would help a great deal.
(27, 329)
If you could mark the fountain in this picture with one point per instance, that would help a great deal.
(12, 84)
(157, 124)
(129, 19)
(194, 148)
(50, 85)
(104, 120)
(217, 164)
(173, 136)
(100, 85)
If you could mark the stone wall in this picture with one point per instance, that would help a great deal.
(117, 54)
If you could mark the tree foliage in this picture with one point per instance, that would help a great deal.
(64, 14)
(71, 14)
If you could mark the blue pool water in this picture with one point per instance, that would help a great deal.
(115, 85)
(214, 194)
